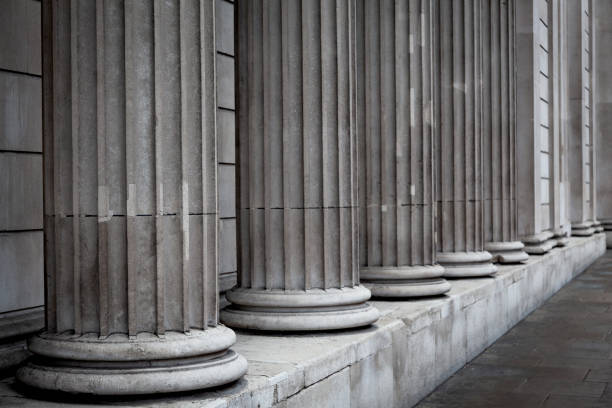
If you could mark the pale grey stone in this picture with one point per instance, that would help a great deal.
(20, 36)
(20, 112)
(21, 205)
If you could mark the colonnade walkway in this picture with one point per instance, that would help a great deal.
(559, 356)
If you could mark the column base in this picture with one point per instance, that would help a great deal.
(146, 364)
(583, 229)
(561, 238)
(299, 310)
(405, 281)
(539, 244)
(508, 252)
(598, 227)
(466, 264)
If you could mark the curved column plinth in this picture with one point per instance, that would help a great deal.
(583, 229)
(561, 238)
(598, 227)
(466, 264)
(539, 244)
(299, 310)
(144, 364)
(507, 252)
(405, 281)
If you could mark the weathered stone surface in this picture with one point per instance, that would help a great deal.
(430, 339)
(21, 265)
(395, 142)
(21, 203)
(298, 256)
(20, 39)
(20, 112)
(457, 108)
(132, 267)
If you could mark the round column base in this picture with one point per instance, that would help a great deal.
(539, 244)
(598, 227)
(466, 264)
(299, 310)
(146, 364)
(405, 281)
(509, 252)
(583, 229)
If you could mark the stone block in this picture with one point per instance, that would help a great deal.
(227, 190)
(21, 191)
(372, 383)
(224, 26)
(20, 112)
(20, 39)
(225, 82)
(226, 136)
(21, 269)
(332, 392)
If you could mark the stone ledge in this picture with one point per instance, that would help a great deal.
(414, 347)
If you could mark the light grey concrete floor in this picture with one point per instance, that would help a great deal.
(559, 356)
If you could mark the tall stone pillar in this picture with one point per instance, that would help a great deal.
(499, 132)
(130, 201)
(537, 142)
(459, 156)
(579, 41)
(298, 266)
(602, 112)
(396, 148)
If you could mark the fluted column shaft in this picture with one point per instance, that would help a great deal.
(579, 29)
(298, 213)
(499, 131)
(602, 112)
(130, 201)
(459, 156)
(396, 147)
(537, 141)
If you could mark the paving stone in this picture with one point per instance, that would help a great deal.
(559, 356)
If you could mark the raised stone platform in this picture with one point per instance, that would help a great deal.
(415, 345)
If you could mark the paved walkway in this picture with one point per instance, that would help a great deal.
(559, 356)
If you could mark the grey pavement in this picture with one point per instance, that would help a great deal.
(559, 356)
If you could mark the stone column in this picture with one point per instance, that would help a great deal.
(537, 147)
(602, 112)
(458, 137)
(130, 201)
(396, 151)
(579, 116)
(298, 262)
(499, 132)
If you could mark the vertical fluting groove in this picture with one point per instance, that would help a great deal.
(412, 131)
(352, 136)
(208, 101)
(504, 121)
(74, 78)
(369, 57)
(130, 116)
(424, 236)
(343, 143)
(458, 114)
(49, 166)
(400, 57)
(160, 275)
(329, 137)
(256, 140)
(184, 189)
(512, 226)
(446, 124)
(293, 190)
(266, 142)
(102, 180)
(496, 108)
(468, 111)
(428, 7)
(478, 135)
